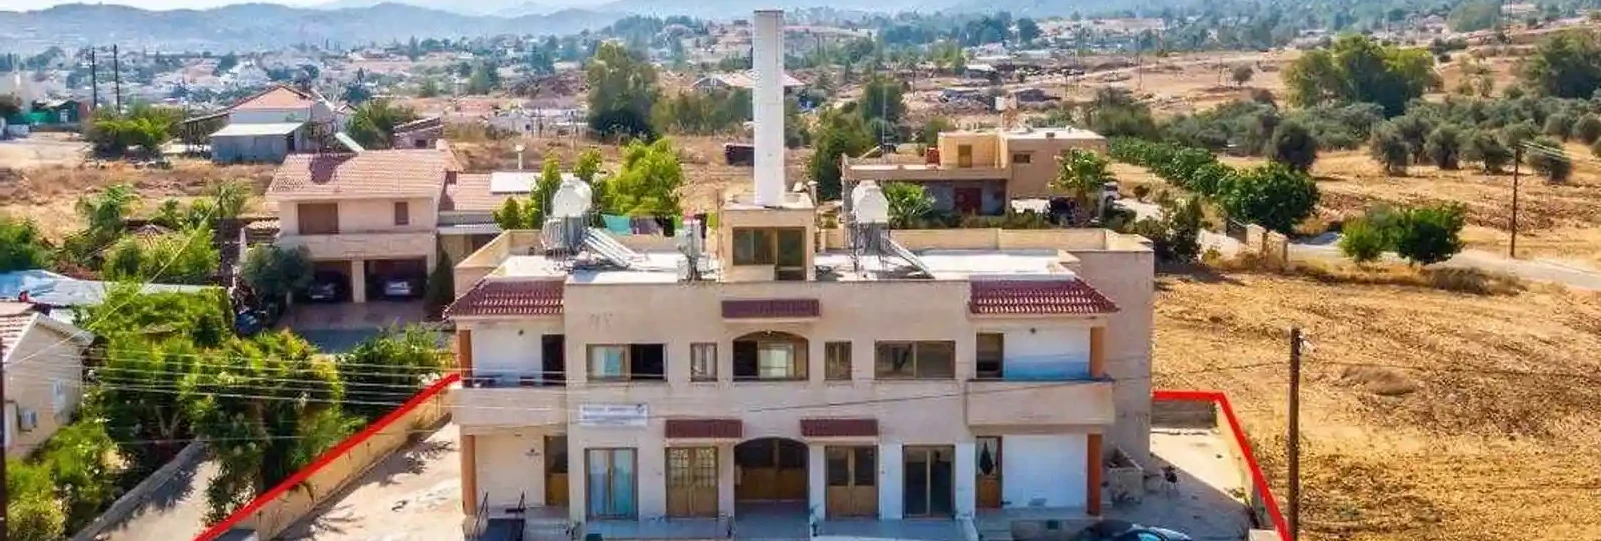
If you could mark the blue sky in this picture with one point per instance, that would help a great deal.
(19, 5)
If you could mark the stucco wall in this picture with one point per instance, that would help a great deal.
(1045, 469)
(986, 147)
(270, 116)
(50, 357)
(366, 216)
(249, 148)
(1127, 278)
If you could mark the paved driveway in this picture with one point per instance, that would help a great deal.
(338, 327)
(175, 512)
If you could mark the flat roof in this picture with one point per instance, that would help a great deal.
(1057, 133)
(663, 267)
(252, 129)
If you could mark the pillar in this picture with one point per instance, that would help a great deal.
(966, 471)
(469, 475)
(817, 481)
(1098, 351)
(358, 280)
(1092, 474)
(891, 469)
(725, 478)
(464, 352)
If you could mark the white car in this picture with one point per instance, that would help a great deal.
(398, 288)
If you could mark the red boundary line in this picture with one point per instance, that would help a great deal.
(326, 458)
(1257, 478)
(373, 429)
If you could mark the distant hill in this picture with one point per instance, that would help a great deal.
(262, 26)
(729, 9)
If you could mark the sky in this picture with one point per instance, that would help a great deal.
(20, 5)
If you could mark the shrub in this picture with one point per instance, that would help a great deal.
(1587, 129)
(1548, 158)
(1362, 241)
(1484, 147)
(33, 514)
(1559, 125)
(1595, 149)
(1388, 149)
(1429, 234)
(1273, 196)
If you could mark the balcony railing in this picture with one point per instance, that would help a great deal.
(519, 379)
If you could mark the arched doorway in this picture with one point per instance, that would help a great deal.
(770, 470)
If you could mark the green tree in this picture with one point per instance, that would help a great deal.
(1485, 147)
(140, 407)
(79, 457)
(398, 361)
(373, 123)
(1429, 234)
(511, 215)
(183, 257)
(1388, 149)
(275, 272)
(1027, 30)
(1272, 196)
(1474, 16)
(1444, 146)
(838, 134)
(428, 88)
(1548, 158)
(230, 197)
(1587, 129)
(543, 190)
(647, 184)
(1566, 65)
(1293, 145)
(588, 165)
(22, 247)
(908, 204)
(203, 317)
(1559, 125)
(1358, 69)
(882, 98)
(622, 92)
(484, 79)
(1082, 176)
(105, 215)
(929, 134)
(441, 288)
(1242, 74)
(1362, 241)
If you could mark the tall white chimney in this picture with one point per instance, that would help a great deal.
(767, 59)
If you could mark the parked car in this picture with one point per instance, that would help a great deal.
(399, 288)
(326, 287)
(1122, 530)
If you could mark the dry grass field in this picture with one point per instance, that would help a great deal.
(46, 194)
(1420, 419)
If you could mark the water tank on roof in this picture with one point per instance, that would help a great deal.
(571, 200)
(868, 204)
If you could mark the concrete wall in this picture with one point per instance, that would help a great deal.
(986, 148)
(51, 358)
(249, 148)
(1128, 279)
(375, 215)
(131, 500)
(270, 116)
(510, 347)
(1045, 469)
(295, 504)
(1032, 180)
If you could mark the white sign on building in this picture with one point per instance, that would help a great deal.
(613, 415)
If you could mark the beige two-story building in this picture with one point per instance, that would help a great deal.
(786, 379)
(367, 216)
(43, 359)
(980, 172)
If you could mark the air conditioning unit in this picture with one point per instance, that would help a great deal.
(29, 420)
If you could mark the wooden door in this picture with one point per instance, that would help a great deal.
(989, 472)
(852, 474)
(692, 482)
(964, 156)
(770, 470)
(556, 471)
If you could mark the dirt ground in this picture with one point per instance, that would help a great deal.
(42, 149)
(1419, 417)
(47, 193)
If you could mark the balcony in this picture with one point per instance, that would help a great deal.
(916, 172)
(1081, 401)
(364, 245)
(510, 400)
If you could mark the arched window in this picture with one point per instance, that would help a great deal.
(769, 355)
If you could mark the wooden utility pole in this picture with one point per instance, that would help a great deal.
(5, 499)
(1517, 158)
(94, 81)
(116, 79)
(1295, 434)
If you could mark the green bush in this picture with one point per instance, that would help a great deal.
(1388, 149)
(1587, 129)
(1362, 241)
(32, 511)
(1559, 125)
(1444, 146)
(1427, 235)
(1548, 158)
(1293, 146)
(1273, 196)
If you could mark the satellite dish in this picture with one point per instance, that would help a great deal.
(520, 147)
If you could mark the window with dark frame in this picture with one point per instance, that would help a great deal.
(769, 356)
(991, 348)
(754, 246)
(837, 361)
(703, 361)
(933, 359)
(627, 362)
(402, 213)
(1023, 158)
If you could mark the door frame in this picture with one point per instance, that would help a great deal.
(695, 491)
(851, 500)
(929, 452)
(611, 472)
(746, 476)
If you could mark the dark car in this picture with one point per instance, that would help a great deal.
(400, 288)
(1122, 530)
(326, 287)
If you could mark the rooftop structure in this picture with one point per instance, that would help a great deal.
(770, 363)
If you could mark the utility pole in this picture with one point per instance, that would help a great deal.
(116, 76)
(94, 80)
(1295, 434)
(1517, 158)
(5, 499)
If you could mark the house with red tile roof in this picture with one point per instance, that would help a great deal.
(274, 123)
(821, 375)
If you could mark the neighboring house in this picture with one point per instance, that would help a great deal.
(421, 133)
(368, 216)
(989, 373)
(57, 294)
(740, 79)
(61, 112)
(978, 172)
(272, 124)
(43, 359)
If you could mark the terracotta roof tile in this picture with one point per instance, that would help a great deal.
(276, 97)
(374, 173)
(509, 298)
(728, 429)
(834, 428)
(771, 308)
(1028, 297)
(470, 193)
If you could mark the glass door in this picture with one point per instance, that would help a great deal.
(852, 481)
(612, 481)
(692, 482)
(929, 490)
